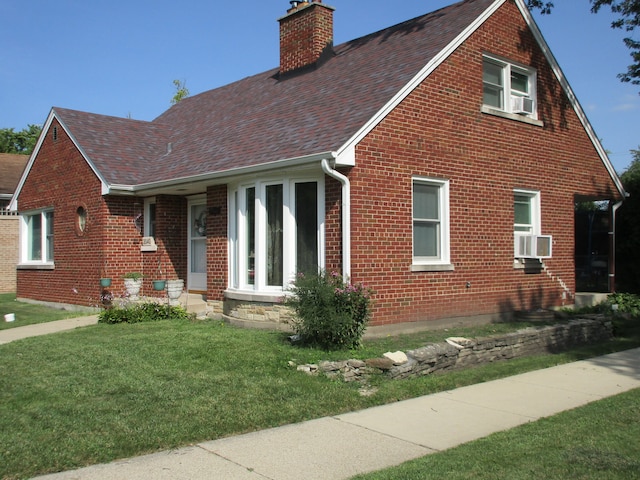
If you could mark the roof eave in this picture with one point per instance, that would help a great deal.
(213, 178)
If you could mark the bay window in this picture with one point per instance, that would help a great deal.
(276, 231)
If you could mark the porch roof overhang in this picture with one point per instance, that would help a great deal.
(195, 184)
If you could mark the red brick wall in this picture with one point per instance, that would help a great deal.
(61, 179)
(217, 246)
(110, 245)
(439, 131)
(333, 222)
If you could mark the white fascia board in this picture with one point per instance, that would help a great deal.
(224, 175)
(557, 71)
(346, 153)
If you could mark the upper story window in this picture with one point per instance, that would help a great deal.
(37, 238)
(508, 87)
(430, 222)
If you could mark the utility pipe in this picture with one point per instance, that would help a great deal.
(612, 248)
(346, 216)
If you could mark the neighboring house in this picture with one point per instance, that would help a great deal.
(11, 168)
(438, 161)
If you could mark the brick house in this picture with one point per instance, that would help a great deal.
(11, 167)
(439, 161)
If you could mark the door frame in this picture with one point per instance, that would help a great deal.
(196, 281)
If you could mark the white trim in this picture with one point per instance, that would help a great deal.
(344, 154)
(555, 67)
(24, 262)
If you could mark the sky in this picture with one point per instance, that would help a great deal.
(120, 57)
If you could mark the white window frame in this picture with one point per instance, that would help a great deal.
(148, 202)
(443, 260)
(238, 245)
(535, 228)
(46, 252)
(507, 91)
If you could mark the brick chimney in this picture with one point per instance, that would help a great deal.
(306, 35)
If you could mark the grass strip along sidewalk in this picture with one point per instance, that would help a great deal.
(596, 442)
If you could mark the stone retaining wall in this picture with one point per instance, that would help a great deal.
(459, 353)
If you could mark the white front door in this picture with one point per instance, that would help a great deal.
(197, 255)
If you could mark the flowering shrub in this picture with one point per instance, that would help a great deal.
(330, 312)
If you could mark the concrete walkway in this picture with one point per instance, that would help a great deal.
(18, 333)
(346, 445)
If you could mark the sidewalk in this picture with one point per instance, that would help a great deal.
(345, 445)
(18, 333)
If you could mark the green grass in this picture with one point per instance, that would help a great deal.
(595, 442)
(111, 391)
(28, 314)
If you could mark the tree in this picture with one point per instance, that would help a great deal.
(628, 230)
(628, 12)
(22, 142)
(181, 91)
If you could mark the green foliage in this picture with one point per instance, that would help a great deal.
(181, 91)
(22, 142)
(628, 12)
(133, 275)
(627, 303)
(142, 312)
(331, 312)
(628, 231)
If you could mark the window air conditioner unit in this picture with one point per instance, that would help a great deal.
(532, 246)
(522, 105)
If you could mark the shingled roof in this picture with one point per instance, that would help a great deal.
(263, 119)
(11, 167)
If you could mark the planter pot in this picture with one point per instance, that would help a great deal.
(159, 285)
(174, 290)
(133, 286)
(105, 282)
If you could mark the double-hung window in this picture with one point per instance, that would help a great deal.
(508, 87)
(277, 231)
(528, 241)
(37, 237)
(430, 222)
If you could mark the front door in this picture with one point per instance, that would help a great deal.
(197, 255)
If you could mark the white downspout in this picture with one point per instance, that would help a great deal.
(346, 216)
(612, 244)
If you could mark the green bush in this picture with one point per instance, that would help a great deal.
(142, 312)
(627, 303)
(330, 312)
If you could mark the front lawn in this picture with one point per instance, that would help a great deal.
(104, 392)
(28, 313)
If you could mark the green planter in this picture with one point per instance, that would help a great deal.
(159, 284)
(105, 282)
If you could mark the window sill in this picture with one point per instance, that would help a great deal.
(245, 296)
(433, 268)
(36, 266)
(512, 116)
